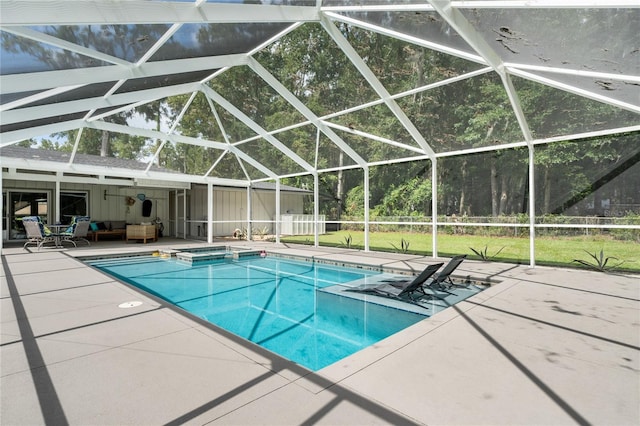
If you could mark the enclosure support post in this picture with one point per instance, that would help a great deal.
(249, 213)
(532, 208)
(366, 208)
(56, 199)
(316, 209)
(277, 224)
(184, 213)
(434, 205)
(209, 213)
(2, 221)
(176, 218)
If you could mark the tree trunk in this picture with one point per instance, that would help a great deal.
(104, 147)
(525, 197)
(597, 204)
(419, 71)
(494, 174)
(504, 197)
(463, 175)
(547, 191)
(494, 186)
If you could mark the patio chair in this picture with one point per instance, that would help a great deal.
(402, 292)
(78, 230)
(37, 232)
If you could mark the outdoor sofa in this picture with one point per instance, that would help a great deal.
(108, 229)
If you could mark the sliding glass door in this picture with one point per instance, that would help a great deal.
(25, 203)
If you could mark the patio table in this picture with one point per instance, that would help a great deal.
(56, 233)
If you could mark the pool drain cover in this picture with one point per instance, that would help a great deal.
(133, 304)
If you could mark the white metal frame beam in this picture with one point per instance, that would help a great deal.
(576, 90)
(174, 125)
(8, 138)
(461, 25)
(91, 170)
(374, 137)
(16, 83)
(233, 149)
(570, 71)
(220, 100)
(407, 38)
(326, 117)
(373, 81)
(44, 38)
(37, 97)
(155, 134)
(544, 4)
(304, 110)
(177, 138)
(488, 4)
(87, 104)
(104, 12)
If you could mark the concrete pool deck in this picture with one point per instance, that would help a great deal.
(543, 346)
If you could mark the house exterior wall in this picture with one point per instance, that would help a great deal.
(108, 202)
(230, 209)
(100, 207)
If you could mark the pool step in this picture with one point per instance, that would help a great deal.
(207, 256)
(200, 257)
(237, 254)
(167, 253)
(207, 249)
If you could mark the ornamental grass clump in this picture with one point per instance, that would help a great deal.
(600, 262)
(484, 255)
(404, 246)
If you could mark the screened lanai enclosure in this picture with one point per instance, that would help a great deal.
(512, 126)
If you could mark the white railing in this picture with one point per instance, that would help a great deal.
(301, 224)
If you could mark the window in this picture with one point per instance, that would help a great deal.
(73, 204)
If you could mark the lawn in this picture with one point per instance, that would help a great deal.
(559, 251)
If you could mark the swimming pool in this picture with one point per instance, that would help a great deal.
(283, 305)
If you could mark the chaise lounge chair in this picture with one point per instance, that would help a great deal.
(404, 292)
(440, 281)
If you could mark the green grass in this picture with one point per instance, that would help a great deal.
(559, 251)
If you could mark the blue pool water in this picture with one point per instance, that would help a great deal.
(277, 303)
